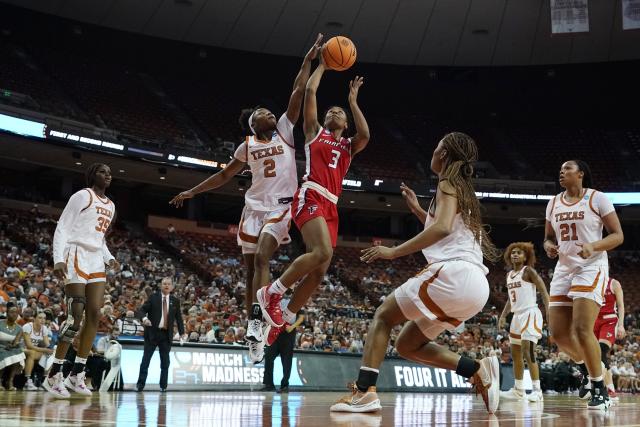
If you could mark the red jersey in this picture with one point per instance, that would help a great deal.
(609, 304)
(328, 161)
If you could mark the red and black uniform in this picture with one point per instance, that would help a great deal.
(605, 326)
(328, 161)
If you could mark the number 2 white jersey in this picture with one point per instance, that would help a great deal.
(273, 168)
(579, 222)
(83, 223)
(522, 294)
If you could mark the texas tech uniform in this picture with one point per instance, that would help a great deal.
(605, 326)
(79, 240)
(328, 161)
(453, 287)
(527, 317)
(573, 224)
(274, 182)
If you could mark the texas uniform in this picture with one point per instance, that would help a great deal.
(273, 184)
(79, 239)
(579, 222)
(526, 323)
(453, 287)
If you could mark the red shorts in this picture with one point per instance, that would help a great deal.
(309, 204)
(605, 329)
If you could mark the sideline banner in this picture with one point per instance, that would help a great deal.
(224, 367)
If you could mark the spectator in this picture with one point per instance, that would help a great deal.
(36, 338)
(11, 355)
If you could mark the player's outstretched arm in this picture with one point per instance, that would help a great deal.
(299, 84)
(361, 138)
(412, 202)
(311, 126)
(218, 180)
(442, 226)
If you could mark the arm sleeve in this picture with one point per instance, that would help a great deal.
(241, 152)
(76, 204)
(285, 129)
(603, 204)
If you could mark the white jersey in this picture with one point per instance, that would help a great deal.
(522, 294)
(273, 168)
(579, 222)
(83, 223)
(459, 245)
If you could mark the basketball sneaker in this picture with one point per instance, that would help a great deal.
(584, 392)
(270, 305)
(535, 396)
(358, 401)
(513, 394)
(254, 331)
(30, 386)
(486, 382)
(599, 398)
(76, 383)
(55, 386)
(273, 334)
(256, 349)
(613, 396)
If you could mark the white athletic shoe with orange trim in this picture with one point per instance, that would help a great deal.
(358, 401)
(486, 382)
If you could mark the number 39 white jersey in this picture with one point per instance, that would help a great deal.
(579, 222)
(273, 168)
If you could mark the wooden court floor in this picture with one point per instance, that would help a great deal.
(308, 409)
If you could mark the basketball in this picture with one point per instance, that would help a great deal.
(339, 53)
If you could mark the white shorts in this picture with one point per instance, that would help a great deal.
(84, 266)
(526, 325)
(443, 295)
(253, 223)
(582, 282)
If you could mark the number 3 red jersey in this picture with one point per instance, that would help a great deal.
(328, 161)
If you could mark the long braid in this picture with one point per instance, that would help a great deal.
(462, 152)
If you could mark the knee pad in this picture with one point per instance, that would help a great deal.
(604, 354)
(67, 330)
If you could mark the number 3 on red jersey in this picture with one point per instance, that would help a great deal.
(334, 159)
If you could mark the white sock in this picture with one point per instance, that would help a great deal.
(536, 385)
(366, 368)
(289, 316)
(579, 362)
(81, 360)
(592, 379)
(58, 361)
(277, 288)
(519, 385)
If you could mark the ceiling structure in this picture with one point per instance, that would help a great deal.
(411, 32)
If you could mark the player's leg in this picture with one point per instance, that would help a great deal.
(560, 325)
(364, 397)
(319, 252)
(94, 294)
(515, 339)
(605, 349)
(75, 302)
(32, 357)
(250, 293)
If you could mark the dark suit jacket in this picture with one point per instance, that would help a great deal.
(152, 309)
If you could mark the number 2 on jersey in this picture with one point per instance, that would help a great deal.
(103, 224)
(269, 168)
(564, 232)
(334, 159)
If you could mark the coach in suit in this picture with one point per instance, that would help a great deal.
(160, 312)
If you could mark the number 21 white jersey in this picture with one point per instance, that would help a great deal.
(273, 167)
(579, 222)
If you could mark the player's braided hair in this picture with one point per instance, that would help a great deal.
(91, 173)
(462, 152)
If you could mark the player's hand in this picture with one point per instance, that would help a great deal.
(551, 249)
(146, 322)
(313, 52)
(502, 322)
(409, 197)
(60, 270)
(354, 87)
(178, 200)
(377, 252)
(620, 332)
(586, 251)
(114, 264)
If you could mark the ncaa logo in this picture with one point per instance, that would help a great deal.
(312, 209)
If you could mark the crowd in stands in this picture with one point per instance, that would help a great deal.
(210, 283)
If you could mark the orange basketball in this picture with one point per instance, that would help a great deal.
(339, 53)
